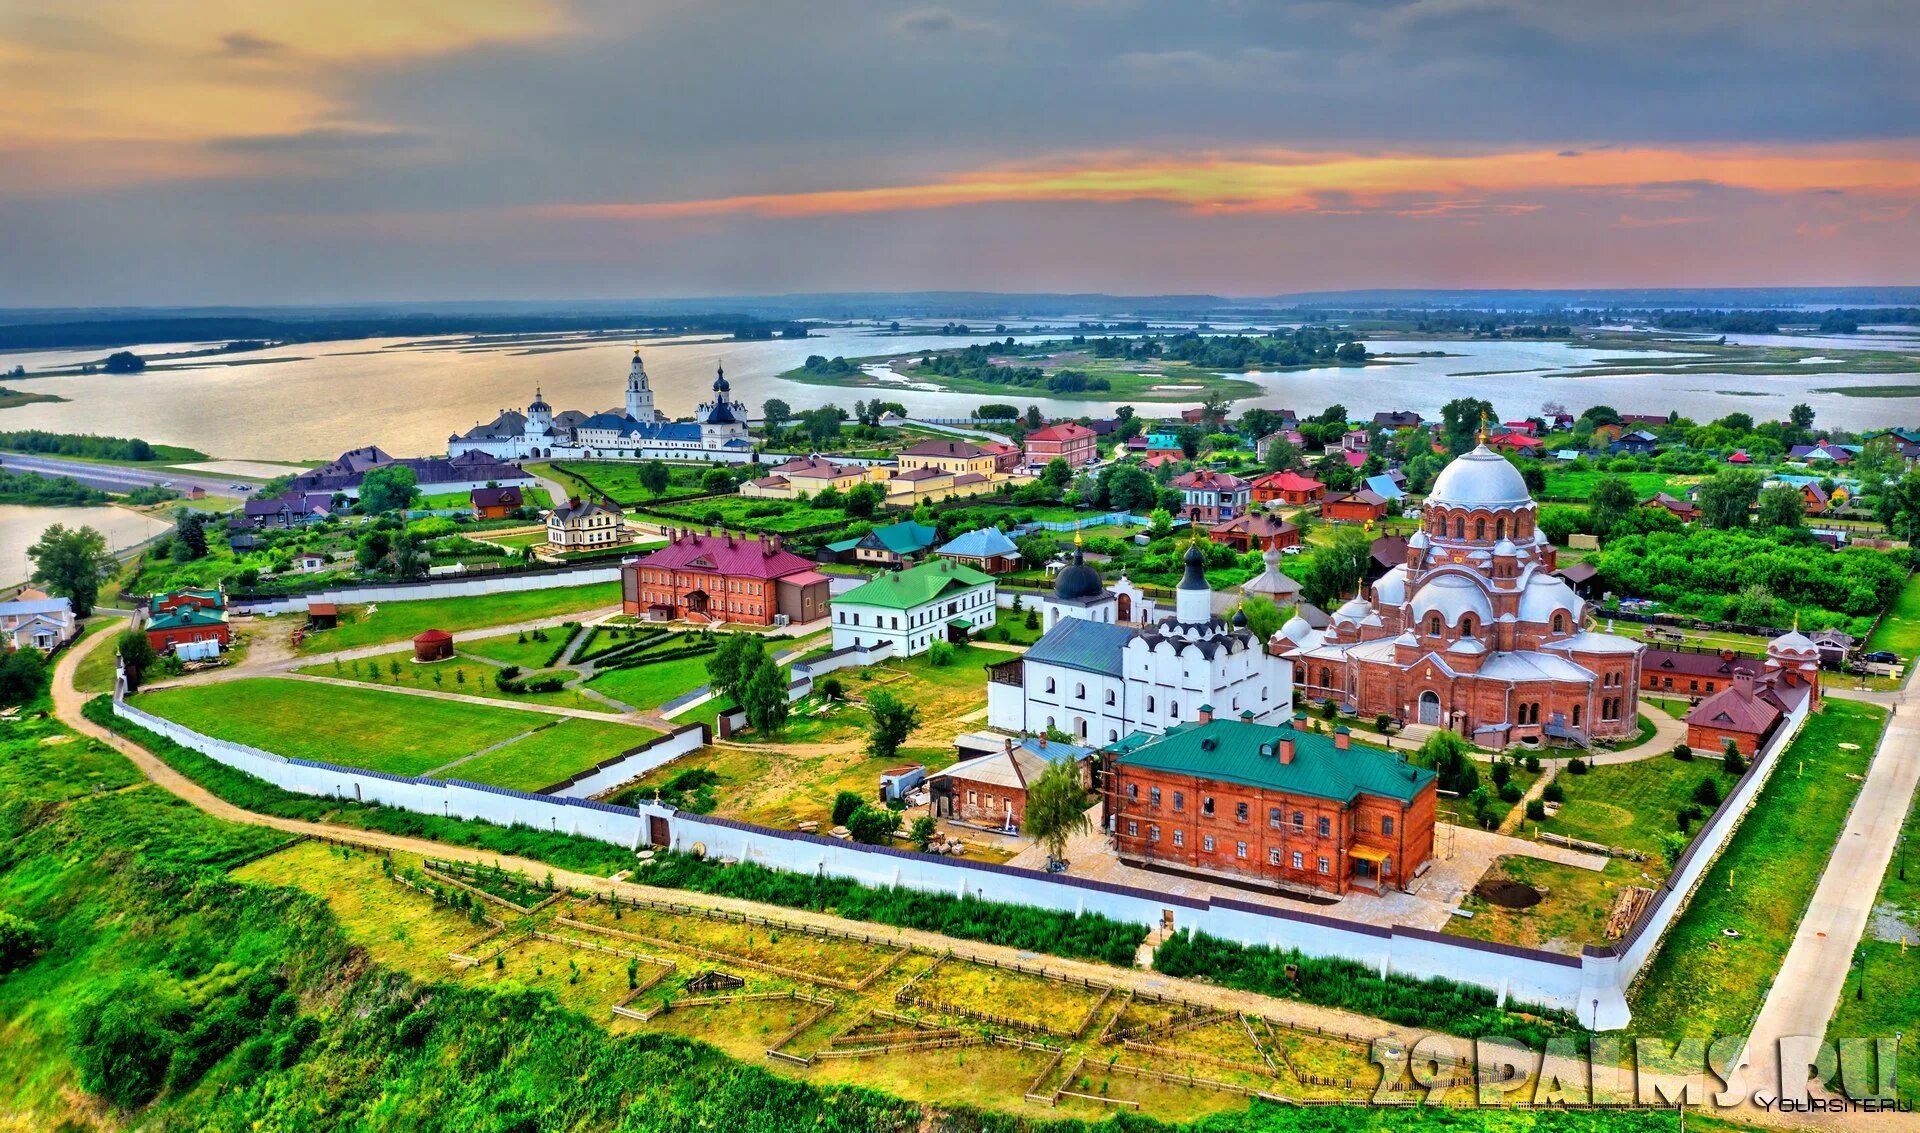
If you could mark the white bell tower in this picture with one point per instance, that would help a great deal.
(639, 393)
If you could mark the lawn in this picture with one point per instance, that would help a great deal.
(772, 786)
(1572, 914)
(619, 480)
(460, 675)
(523, 649)
(1703, 982)
(1570, 484)
(653, 684)
(1631, 805)
(381, 731)
(742, 513)
(551, 754)
(1899, 629)
(400, 621)
(951, 699)
(95, 671)
(1892, 978)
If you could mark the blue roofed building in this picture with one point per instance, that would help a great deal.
(989, 549)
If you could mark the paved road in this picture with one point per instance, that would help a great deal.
(114, 477)
(1807, 989)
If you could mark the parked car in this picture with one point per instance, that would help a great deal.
(1882, 657)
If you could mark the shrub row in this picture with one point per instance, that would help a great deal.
(559, 651)
(632, 660)
(1291, 974)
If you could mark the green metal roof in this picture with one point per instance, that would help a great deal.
(908, 589)
(207, 593)
(904, 538)
(1231, 751)
(185, 616)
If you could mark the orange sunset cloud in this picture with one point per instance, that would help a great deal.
(1298, 181)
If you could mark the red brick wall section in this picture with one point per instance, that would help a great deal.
(1708, 740)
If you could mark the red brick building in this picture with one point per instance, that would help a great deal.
(1363, 506)
(723, 578)
(1075, 444)
(1255, 529)
(1272, 807)
(185, 617)
(1684, 672)
(1287, 487)
(1472, 632)
(1752, 705)
(991, 790)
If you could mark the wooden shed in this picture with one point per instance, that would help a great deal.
(433, 645)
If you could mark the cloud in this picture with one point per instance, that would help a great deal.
(321, 139)
(249, 45)
(927, 23)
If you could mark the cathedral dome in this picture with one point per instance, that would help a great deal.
(1544, 595)
(1481, 478)
(1296, 629)
(1078, 581)
(1452, 596)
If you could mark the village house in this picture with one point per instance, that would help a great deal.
(1075, 444)
(1515, 442)
(286, 510)
(894, 545)
(34, 620)
(710, 579)
(914, 608)
(582, 525)
(804, 475)
(1686, 511)
(1823, 452)
(1209, 497)
(1363, 506)
(990, 791)
(190, 623)
(1287, 434)
(1006, 457)
(1287, 487)
(496, 503)
(1637, 443)
(1396, 419)
(1159, 444)
(907, 489)
(434, 477)
(1255, 529)
(1275, 807)
(988, 549)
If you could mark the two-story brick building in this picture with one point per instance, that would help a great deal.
(1210, 497)
(1075, 444)
(1270, 806)
(723, 578)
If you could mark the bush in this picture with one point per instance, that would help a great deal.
(1733, 763)
(940, 654)
(1536, 810)
(1683, 753)
(19, 940)
(1554, 793)
(1707, 794)
(1382, 723)
(1533, 763)
(122, 1041)
(1510, 792)
(1576, 766)
(830, 688)
(844, 804)
(1501, 774)
(922, 832)
(872, 825)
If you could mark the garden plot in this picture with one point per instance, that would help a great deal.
(828, 961)
(1004, 997)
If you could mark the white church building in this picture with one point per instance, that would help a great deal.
(1097, 678)
(635, 431)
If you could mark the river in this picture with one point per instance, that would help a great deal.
(311, 401)
(20, 526)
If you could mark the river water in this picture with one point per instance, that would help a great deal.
(312, 401)
(20, 526)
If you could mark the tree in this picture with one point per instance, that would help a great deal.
(844, 804)
(872, 825)
(1899, 506)
(716, 481)
(1257, 423)
(1057, 808)
(1727, 497)
(189, 535)
(124, 362)
(862, 499)
(1779, 505)
(775, 413)
(1189, 438)
(408, 561)
(1334, 569)
(922, 832)
(654, 477)
(1609, 503)
(997, 411)
(1127, 487)
(371, 549)
(893, 721)
(1877, 463)
(23, 674)
(1263, 616)
(136, 656)
(1801, 418)
(764, 698)
(1057, 474)
(733, 664)
(71, 563)
(1446, 754)
(1460, 421)
(19, 939)
(390, 487)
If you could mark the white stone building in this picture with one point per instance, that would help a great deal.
(635, 431)
(911, 609)
(1097, 679)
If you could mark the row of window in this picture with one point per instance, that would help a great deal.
(1323, 826)
(1324, 865)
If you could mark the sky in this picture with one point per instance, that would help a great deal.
(221, 151)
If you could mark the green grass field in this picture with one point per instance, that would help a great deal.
(400, 621)
(739, 513)
(619, 480)
(95, 671)
(381, 731)
(1899, 630)
(1630, 804)
(651, 685)
(551, 754)
(517, 648)
(1564, 484)
(461, 675)
(1882, 995)
(1704, 982)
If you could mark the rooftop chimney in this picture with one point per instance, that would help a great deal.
(1206, 714)
(1342, 738)
(1286, 748)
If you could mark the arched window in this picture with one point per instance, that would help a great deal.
(1459, 527)
(1080, 692)
(1109, 697)
(1500, 528)
(1559, 623)
(1326, 678)
(1466, 626)
(1112, 736)
(1480, 529)
(1576, 715)
(1434, 625)
(1050, 684)
(1149, 704)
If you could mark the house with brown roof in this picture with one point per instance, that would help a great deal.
(1686, 511)
(804, 475)
(991, 790)
(1253, 529)
(1287, 487)
(1753, 704)
(1363, 506)
(496, 503)
(948, 456)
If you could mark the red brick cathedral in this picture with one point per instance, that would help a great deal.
(1473, 632)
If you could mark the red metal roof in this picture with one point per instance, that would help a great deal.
(729, 555)
(1064, 431)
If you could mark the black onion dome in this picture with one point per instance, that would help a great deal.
(1078, 580)
(1195, 578)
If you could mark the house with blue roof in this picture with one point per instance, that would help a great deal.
(989, 549)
